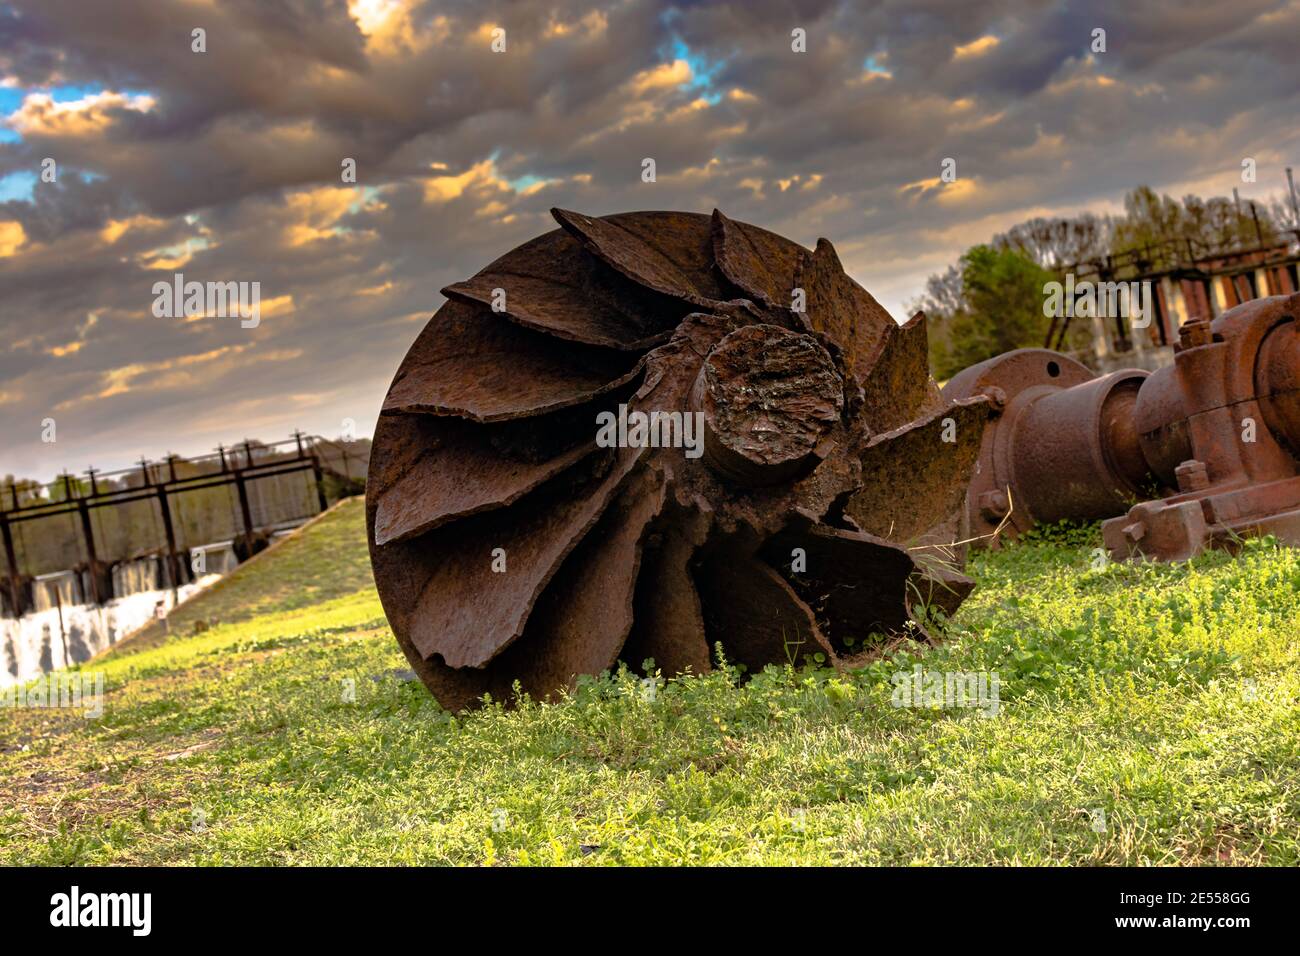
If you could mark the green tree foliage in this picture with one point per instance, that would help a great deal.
(64, 490)
(992, 299)
(26, 490)
(999, 306)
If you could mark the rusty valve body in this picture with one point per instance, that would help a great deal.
(1213, 439)
(513, 548)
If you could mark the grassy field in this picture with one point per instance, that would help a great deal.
(1148, 714)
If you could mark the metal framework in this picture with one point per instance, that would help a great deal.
(1191, 280)
(157, 481)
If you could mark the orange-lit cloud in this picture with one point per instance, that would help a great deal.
(975, 48)
(315, 213)
(661, 77)
(12, 237)
(39, 114)
(184, 371)
(114, 229)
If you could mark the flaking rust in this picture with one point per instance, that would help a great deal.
(1192, 456)
(512, 548)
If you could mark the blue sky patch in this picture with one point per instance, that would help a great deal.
(702, 70)
(20, 186)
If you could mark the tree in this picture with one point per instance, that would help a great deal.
(942, 298)
(1057, 243)
(1282, 213)
(981, 305)
(1000, 307)
(1151, 221)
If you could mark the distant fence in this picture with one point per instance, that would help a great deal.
(89, 537)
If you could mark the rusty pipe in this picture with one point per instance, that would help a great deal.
(1075, 451)
(1217, 434)
(1063, 442)
(1161, 425)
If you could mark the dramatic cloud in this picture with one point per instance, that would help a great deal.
(227, 166)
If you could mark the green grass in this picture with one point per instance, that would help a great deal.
(327, 561)
(1163, 695)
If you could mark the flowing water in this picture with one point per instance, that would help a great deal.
(59, 632)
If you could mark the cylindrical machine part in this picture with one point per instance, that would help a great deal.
(1075, 451)
(1277, 383)
(1216, 435)
(1161, 425)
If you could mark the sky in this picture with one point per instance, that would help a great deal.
(226, 164)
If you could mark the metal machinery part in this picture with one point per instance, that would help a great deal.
(1213, 440)
(1061, 443)
(512, 549)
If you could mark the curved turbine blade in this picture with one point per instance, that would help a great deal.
(898, 388)
(470, 610)
(582, 620)
(759, 263)
(475, 365)
(857, 583)
(550, 285)
(626, 245)
(754, 613)
(915, 477)
(669, 622)
(842, 309)
(459, 472)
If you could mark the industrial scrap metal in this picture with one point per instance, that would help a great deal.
(822, 465)
(1197, 454)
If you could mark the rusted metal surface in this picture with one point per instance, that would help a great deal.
(771, 398)
(510, 546)
(1062, 442)
(1227, 409)
(1212, 440)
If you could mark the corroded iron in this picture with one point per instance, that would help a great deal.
(1062, 442)
(1194, 455)
(511, 548)
(1221, 429)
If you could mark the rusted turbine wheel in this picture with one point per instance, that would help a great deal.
(511, 545)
